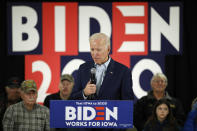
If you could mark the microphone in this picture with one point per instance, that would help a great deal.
(93, 76)
(92, 80)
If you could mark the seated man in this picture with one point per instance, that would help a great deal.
(10, 97)
(65, 88)
(144, 106)
(27, 115)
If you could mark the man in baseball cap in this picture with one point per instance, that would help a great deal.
(29, 93)
(12, 96)
(12, 89)
(67, 77)
(31, 116)
(29, 85)
(14, 82)
(65, 88)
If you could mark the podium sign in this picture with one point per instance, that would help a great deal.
(91, 114)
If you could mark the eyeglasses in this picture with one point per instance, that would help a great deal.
(160, 81)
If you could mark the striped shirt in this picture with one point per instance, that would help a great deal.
(18, 118)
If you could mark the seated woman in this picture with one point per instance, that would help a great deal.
(162, 118)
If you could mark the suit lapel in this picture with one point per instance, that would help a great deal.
(108, 76)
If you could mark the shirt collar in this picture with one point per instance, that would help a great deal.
(167, 96)
(105, 64)
(23, 105)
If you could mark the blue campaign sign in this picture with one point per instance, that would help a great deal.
(91, 114)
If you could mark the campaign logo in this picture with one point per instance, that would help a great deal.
(91, 114)
(87, 113)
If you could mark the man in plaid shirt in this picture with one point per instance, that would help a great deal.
(27, 115)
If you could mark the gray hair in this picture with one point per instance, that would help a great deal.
(159, 75)
(102, 36)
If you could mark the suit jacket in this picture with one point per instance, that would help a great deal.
(116, 85)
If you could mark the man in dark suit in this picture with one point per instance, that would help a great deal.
(113, 80)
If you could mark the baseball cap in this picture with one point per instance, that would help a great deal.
(67, 77)
(28, 85)
(13, 82)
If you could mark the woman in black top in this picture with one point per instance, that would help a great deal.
(162, 118)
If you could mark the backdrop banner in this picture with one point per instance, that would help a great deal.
(54, 38)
